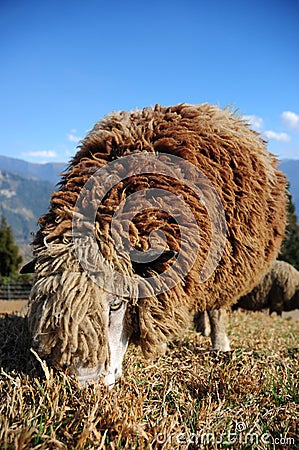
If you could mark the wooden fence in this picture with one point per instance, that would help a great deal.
(15, 291)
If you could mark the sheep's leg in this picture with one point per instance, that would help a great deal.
(202, 323)
(276, 298)
(218, 320)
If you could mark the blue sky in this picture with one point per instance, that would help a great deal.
(65, 64)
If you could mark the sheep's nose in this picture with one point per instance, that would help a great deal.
(109, 380)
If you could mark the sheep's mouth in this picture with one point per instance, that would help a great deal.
(88, 375)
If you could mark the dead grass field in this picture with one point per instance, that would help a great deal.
(191, 398)
(12, 306)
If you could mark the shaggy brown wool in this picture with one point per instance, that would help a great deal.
(66, 306)
(278, 290)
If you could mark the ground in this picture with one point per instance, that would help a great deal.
(190, 398)
(12, 306)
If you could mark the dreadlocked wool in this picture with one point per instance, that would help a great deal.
(66, 307)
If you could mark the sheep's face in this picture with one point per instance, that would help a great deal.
(118, 337)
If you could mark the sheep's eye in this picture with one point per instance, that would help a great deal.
(116, 304)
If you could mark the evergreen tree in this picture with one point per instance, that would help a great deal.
(290, 246)
(9, 252)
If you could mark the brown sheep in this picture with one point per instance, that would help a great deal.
(201, 209)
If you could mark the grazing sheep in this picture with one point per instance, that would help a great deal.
(93, 294)
(278, 290)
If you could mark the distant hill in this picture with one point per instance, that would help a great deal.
(47, 171)
(22, 202)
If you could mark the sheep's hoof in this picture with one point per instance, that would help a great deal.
(222, 344)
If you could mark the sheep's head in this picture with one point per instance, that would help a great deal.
(121, 321)
(79, 325)
(293, 303)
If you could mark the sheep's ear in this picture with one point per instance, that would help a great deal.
(29, 267)
(150, 260)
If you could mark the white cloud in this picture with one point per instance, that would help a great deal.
(290, 120)
(281, 137)
(255, 121)
(72, 136)
(41, 154)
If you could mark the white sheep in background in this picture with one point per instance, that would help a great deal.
(278, 290)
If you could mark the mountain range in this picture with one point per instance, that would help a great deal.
(25, 190)
(48, 171)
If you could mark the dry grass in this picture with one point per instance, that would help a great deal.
(244, 399)
(11, 306)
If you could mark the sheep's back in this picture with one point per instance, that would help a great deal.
(235, 160)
